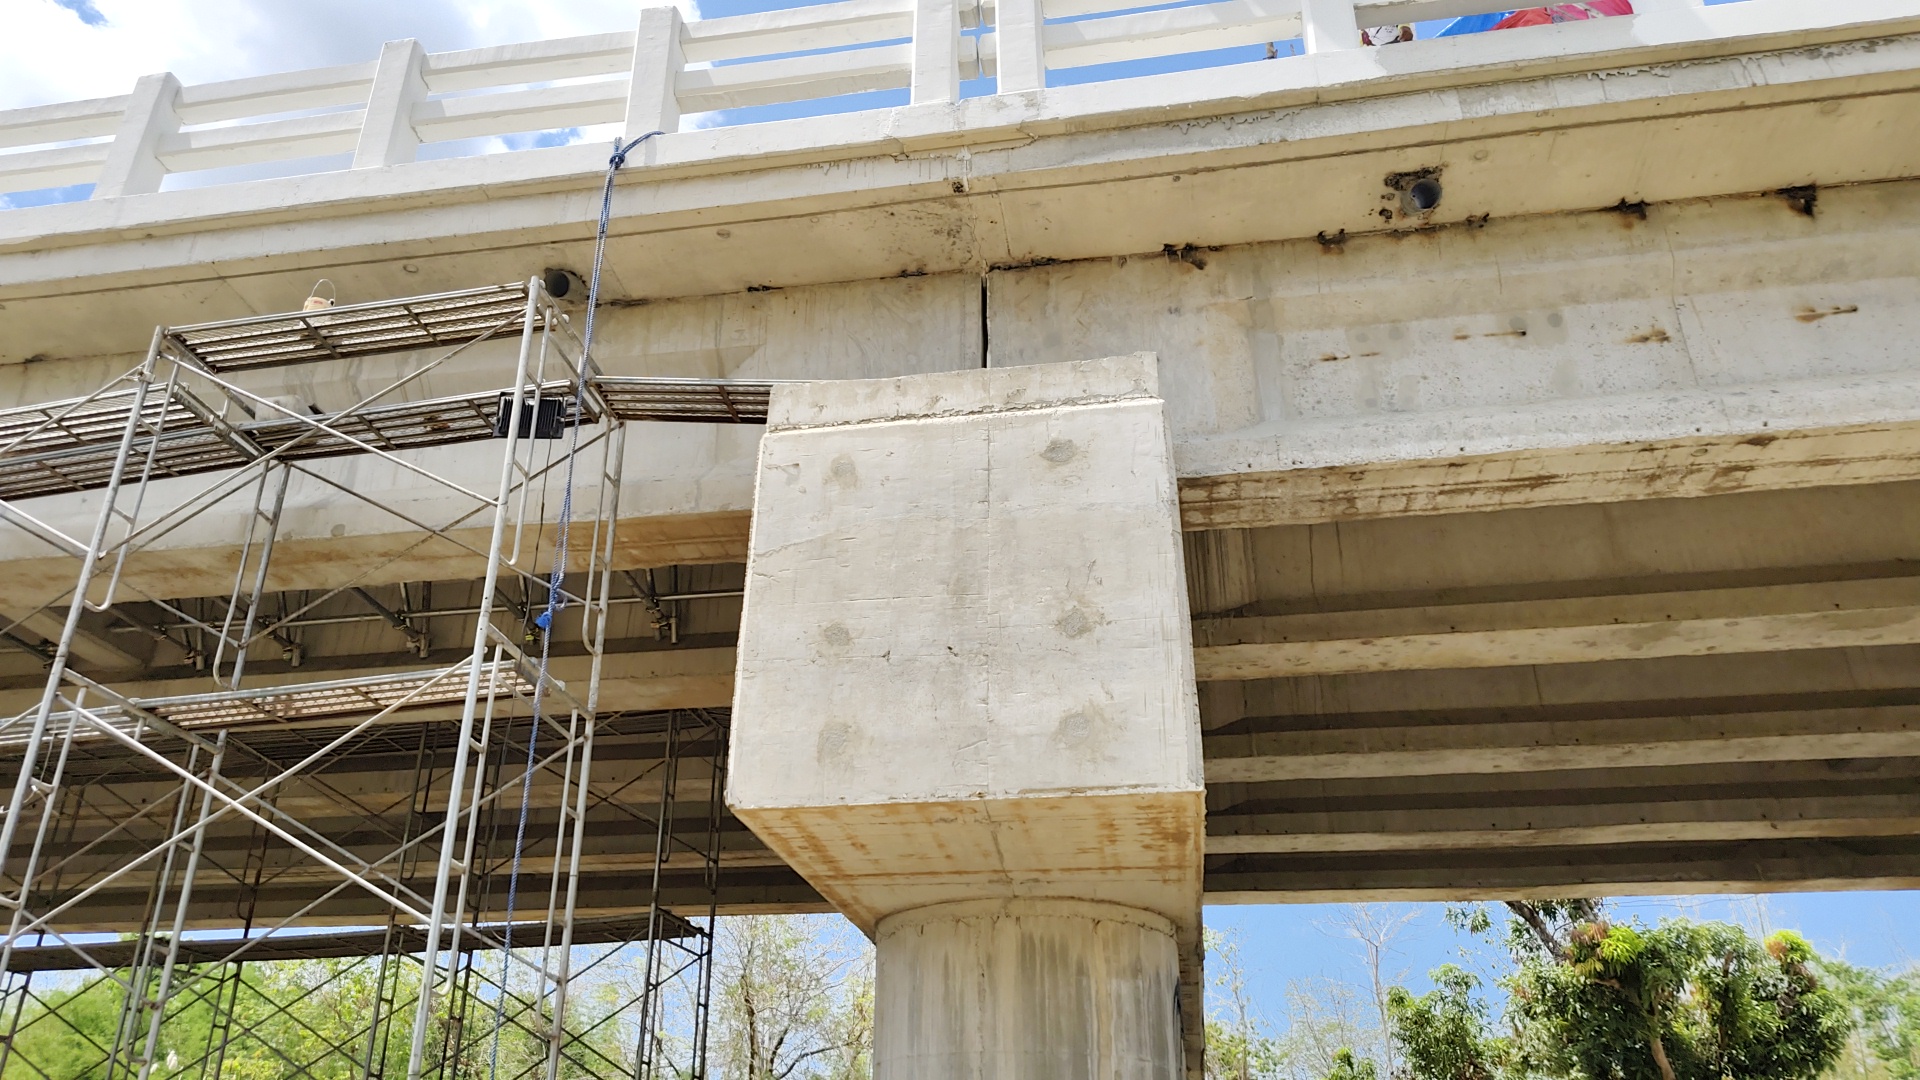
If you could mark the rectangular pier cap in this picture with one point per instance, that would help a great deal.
(965, 661)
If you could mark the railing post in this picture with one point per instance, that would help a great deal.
(1021, 55)
(653, 95)
(387, 136)
(1329, 25)
(133, 161)
(936, 51)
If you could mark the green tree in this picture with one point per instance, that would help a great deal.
(68, 1033)
(791, 1002)
(1348, 1067)
(1593, 1000)
(1886, 1010)
(72, 1030)
(1680, 1001)
(1238, 1046)
(1441, 1034)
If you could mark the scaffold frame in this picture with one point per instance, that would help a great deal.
(153, 777)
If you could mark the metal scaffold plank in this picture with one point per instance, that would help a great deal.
(189, 446)
(355, 330)
(711, 401)
(77, 452)
(328, 945)
(305, 704)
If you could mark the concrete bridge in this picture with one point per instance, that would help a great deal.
(1527, 425)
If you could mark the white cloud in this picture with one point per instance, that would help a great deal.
(50, 53)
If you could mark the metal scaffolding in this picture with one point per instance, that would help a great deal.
(458, 947)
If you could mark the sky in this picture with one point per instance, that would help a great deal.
(68, 50)
(1280, 944)
(71, 50)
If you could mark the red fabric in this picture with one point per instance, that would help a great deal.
(1564, 13)
(1525, 17)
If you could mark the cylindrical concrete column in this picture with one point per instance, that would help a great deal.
(1026, 990)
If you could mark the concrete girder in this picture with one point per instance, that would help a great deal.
(749, 891)
(1779, 618)
(1778, 460)
(1667, 823)
(1790, 460)
(1667, 375)
(1742, 866)
(1546, 746)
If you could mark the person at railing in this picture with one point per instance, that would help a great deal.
(1386, 35)
(1559, 13)
(1540, 16)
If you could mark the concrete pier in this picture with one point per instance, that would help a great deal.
(1027, 990)
(965, 708)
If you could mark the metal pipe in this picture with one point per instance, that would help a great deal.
(23, 783)
(187, 509)
(429, 532)
(456, 783)
(399, 622)
(180, 907)
(387, 615)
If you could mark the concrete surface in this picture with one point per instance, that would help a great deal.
(964, 664)
(1563, 359)
(1026, 990)
(965, 679)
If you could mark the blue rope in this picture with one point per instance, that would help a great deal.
(555, 578)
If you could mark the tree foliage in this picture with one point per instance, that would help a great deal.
(1680, 1001)
(1348, 1067)
(1589, 999)
(791, 1003)
(1238, 1046)
(293, 1018)
(1886, 1012)
(1441, 1033)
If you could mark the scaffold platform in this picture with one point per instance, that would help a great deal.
(68, 446)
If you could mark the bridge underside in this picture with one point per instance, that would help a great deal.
(1673, 695)
(1563, 538)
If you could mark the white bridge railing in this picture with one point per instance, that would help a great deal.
(382, 111)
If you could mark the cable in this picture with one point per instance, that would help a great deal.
(555, 578)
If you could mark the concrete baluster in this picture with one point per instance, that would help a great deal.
(1017, 30)
(936, 51)
(1329, 25)
(653, 96)
(133, 162)
(387, 136)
